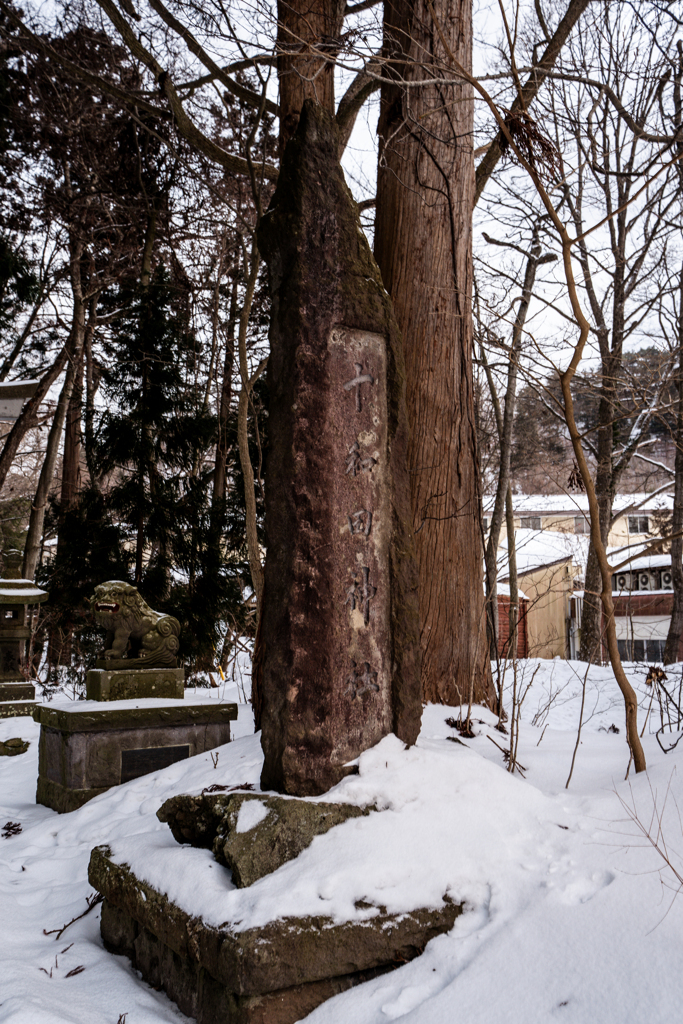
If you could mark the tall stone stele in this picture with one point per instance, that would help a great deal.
(337, 665)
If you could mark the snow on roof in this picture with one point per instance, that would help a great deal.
(576, 504)
(20, 590)
(617, 556)
(536, 548)
(504, 591)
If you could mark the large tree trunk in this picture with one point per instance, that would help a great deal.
(306, 30)
(423, 248)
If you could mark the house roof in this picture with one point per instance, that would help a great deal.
(538, 548)
(577, 504)
(504, 591)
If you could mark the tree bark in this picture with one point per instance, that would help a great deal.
(423, 248)
(307, 31)
(673, 639)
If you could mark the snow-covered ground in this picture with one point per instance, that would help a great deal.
(571, 914)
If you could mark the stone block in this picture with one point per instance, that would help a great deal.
(198, 994)
(287, 828)
(283, 953)
(16, 708)
(132, 684)
(84, 751)
(276, 974)
(17, 691)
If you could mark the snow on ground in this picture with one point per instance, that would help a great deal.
(570, 912)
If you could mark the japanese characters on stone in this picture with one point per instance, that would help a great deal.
(361, 591)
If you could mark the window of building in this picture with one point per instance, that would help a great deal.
(581, 525)
(486, 523)
(638, 524)
(531, 523)
(641, 650)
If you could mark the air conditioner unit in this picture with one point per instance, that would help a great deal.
(667, 580)
(644, 581)
(623, 582)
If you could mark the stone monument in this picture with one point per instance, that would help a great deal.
(134, 719)
(141, 647)
(19, 601)
(338, 667)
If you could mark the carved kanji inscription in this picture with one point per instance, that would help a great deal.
(361, 680)
(361, 593)
(358, 462)
(360, 523)
(358, 381)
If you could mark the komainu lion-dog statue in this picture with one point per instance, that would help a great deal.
(134, 630)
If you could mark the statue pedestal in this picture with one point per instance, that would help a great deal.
(17, 699)
(132, 684)
(86, 748)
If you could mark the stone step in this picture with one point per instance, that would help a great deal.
(285, 968)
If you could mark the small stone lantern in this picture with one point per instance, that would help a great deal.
(18, 601)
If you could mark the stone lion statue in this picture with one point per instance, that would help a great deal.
(134, 630)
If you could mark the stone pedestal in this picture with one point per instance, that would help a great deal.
(126, 684)
(17, 699)
(276, 974)
(86, 748)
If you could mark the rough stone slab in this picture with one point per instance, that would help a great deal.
(194, 819)
(198, 994)
(74, 720)
(117, 684)
(83, 754)
(14, 746)
(337, 665)
(285, 952)
(210, 820)
(291, 826)
(16, 708)
(17, 691)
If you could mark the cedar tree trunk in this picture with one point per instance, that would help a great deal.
(423, 248)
